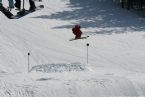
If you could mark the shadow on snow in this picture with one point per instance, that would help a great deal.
(99, 14)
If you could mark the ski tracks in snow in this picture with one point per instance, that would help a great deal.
(15, 90)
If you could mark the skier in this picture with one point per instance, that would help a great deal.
(31, 2)
(77, 32)
(11, 4)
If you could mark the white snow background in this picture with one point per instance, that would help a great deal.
(116, 65)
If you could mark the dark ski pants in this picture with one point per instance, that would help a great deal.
(18, 3)
(32, 4)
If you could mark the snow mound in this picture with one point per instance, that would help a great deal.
(63, 67)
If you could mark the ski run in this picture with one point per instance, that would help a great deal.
(58, 67)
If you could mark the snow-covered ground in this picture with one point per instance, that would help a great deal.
(116, 65)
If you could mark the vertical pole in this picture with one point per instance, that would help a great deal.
(28, 62)
(23, 10)
(23, 4)
(87, 52)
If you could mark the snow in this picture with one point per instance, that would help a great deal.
(58, 66)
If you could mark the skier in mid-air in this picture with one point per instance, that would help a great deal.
(77, 31)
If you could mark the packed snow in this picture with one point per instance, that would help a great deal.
(58, 67)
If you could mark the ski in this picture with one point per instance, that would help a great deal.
(6, 12)
(84, 37)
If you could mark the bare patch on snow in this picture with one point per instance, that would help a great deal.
(62, 67)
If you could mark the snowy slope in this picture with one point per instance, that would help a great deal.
(116, 52)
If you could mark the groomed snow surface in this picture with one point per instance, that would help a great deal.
(58, 67)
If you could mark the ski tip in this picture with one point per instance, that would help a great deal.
(83, 37)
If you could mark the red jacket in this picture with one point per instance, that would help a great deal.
(76, 30)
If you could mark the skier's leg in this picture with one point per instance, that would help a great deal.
(80, 34)
(77, 36)
(1, 5)
(0, 2)
(11, 4)
(32, 5)
(18, 4)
